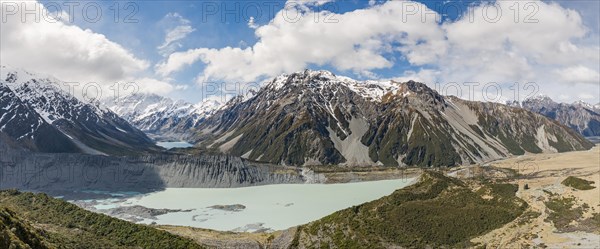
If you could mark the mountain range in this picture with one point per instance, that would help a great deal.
(304, 118)
(161, 117)
(37, 114)
(318, 118)
(579, 116)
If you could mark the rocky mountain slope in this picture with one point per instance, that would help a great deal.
(579, 116)
(37, 114)
(19, 123)
(161, 117)
(67, 172)
(316, 117)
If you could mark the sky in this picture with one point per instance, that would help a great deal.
(198, 50)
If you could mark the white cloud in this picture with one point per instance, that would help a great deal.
(65, 51)
(423, 75)
(252, 24)
(580, 74)
(178, 28)
(151, 85)
(72, 54)
(359, 42)
(470, 49)
(509, 52)
(586, 96)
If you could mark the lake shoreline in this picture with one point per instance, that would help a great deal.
(266, 208)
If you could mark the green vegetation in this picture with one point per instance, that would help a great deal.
(16, 233)
(578, 183)
(438, 211)
(69, 226)
(563, 211)
(527, 217)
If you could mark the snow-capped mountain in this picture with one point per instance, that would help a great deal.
(30, 100)
(316, 117)
(580, 116)
(21, 124)
(159, 116)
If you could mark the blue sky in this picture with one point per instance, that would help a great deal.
(206, 29)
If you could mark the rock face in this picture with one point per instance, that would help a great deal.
(49, 172)
(579, 116)
(38, 115)
(159, 116)
(316, 118)
(19, 123)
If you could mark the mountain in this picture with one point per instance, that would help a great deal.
(159, 116)
(37, 114)
(316, 117)
(19, 122)
(579, 116)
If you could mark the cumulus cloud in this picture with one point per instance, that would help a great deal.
(155, 86)
(359, 42)
(478, 47)
(65, 51)
(52, 47)
(177, 29)
(579, 74)
(251, 23)
(507, 51)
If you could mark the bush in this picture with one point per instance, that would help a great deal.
(435, 212)
(578, 183)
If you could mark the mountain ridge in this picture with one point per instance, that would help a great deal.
(315, 117)
(161, 117)
(90, 127)
(579, 116)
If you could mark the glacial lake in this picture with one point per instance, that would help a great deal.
(171, 145)
(274, 207)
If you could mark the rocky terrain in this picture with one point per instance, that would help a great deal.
(560, 214)
(317, 118)
(48, 172)
(579, 116)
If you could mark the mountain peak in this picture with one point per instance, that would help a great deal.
(583, 104)
(540, 97)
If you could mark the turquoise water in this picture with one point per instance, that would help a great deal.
(275, 206)
(170, 145)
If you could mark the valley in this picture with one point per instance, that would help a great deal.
(300, 124)
(310, 160)
(525, 215)
(530, 227)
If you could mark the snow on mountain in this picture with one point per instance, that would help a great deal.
(579, 116)
(372, 90)
(94, 129)
(316, 117)
(159, 116)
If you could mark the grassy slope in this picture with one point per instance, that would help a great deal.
(437, 211)
(17, 233)
(65, 225)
